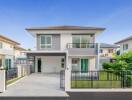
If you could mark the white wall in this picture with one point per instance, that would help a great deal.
(65, 38)
(91, 62)
(50, 64)
(129, 42)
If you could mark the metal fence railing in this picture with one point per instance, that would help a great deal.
(11, 73)
(62, 79)
(101, 79)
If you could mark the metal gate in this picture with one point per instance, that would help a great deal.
(62, 79)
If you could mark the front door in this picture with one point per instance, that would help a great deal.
(39, 64)
(84, 65)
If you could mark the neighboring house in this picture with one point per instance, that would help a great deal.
(107, 52)
(8, 51)
(125, 44)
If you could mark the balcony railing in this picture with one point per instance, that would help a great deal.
(82, 45)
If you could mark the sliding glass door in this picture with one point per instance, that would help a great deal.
(84, 65)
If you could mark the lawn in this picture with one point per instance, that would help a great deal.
(12, 80)
(104, 81)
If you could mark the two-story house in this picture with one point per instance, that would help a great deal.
(9, 51)
(125, 44)
(68, 48)
(65, 47)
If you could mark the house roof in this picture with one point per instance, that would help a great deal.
(19, 48)
(65, 28)
(105, 45)
(123, 40)
(8, 40)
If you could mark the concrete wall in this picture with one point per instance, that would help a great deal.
(2, 80)
(129, 42)
(50, 64)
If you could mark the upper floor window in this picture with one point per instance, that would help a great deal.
(45, 41)
(1, 45)
(80, 41)
(125, 46)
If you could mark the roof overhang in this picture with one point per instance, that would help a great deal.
(64, 30)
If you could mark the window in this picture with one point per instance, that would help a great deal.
(80, 41)
(110, 50)
(101, 50)
(45, 41)
(75, 64)
(62, 63)
(125, 46)
(1, 45)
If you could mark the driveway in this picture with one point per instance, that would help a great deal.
(36, 85)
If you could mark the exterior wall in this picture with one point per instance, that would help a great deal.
(129, 42)
(50, 64)
(65, 39)
(55, 42)
(82, 51)
(106, 52)
(91, 62)
(7, 49)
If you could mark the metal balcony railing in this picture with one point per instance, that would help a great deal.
(82, 45)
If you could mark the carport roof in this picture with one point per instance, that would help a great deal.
(46, 53)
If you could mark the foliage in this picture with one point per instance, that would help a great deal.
(122, 62)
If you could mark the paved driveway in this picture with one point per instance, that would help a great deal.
(36, 85)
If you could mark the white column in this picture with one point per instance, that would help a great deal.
(98, 57)
(19, 68)
(2, 80)
(68, 74)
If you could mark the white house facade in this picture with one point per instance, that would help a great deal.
(68, 48)
(125, 44)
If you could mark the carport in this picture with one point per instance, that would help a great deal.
(47, 61)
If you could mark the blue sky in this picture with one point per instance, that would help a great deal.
(114, 15)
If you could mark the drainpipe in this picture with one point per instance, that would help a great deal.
(98, 56)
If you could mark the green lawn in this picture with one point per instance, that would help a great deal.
(102, 83)
(12, 80)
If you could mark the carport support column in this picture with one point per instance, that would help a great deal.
(67, 74)
(2, 80)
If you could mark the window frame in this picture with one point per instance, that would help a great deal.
(124, 46)
(1, 45)
(46, 45)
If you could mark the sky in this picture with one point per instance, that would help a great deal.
(114, 15)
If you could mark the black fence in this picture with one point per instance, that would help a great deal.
(11, 73)
(62, 79)
(101, 79)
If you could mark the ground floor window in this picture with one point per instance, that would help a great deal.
(79, 64)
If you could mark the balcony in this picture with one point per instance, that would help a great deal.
(82, 49)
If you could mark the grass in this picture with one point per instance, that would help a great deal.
(103, 82)
(12, 80)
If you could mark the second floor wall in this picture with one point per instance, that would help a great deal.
(63, 41)
(6, 48)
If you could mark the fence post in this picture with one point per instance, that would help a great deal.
(2, 80)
